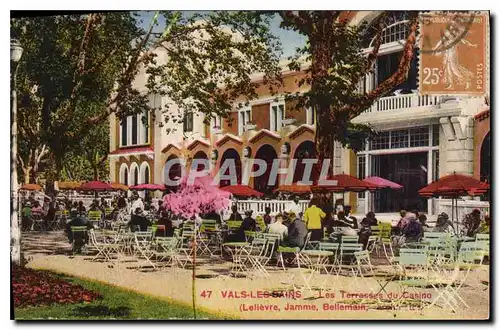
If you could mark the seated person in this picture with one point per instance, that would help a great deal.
(138, 219)
(422, 218)
(413, 230)
(248, 224)
(349, 218)
(235, 216)
(80, 239)
(297, 233)
(443, 225)
(278, 227)
(267, 216)
(484, 227)
(471, 222)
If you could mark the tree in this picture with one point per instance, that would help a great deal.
(337, 63)
(79, 69)
(192, 199)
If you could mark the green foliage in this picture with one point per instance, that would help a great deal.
(78, 69)
(335, 52)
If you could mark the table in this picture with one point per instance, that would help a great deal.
(237, 250)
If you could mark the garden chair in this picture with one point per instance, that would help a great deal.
(347, 260)
(333, 247)
(233, 225)
(95, 218)
(143, 245)
(415, 273)
(260, 223)
(56, 223)
(295, 250)
(186, 250)
(38, 224)
(166, 251)
(350, 239)
(257, 256)
(484, 241)
(104, 249)
(249, 235)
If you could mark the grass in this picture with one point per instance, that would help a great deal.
(116, 303)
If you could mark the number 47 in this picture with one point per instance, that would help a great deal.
(206, 293)
(432, 76)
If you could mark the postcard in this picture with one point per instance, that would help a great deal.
(255, 165)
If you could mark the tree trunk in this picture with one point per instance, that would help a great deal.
(96, 173)
(27, 174)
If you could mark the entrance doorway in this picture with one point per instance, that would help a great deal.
(410, 171)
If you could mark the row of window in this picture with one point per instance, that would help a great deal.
(406, 138)
(135, 176)
(277, 116)
(134, 130)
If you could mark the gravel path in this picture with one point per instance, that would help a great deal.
(226, 295)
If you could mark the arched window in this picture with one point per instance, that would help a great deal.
(134, 174)
(144, 173)
(268, 154)
(123, 175)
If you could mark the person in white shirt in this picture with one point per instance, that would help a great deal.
(137, 203)
(294, 206)
(278, 227)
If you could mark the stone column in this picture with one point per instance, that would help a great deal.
(459, 145)
(284, 158)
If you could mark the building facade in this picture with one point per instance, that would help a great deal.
(421, 137)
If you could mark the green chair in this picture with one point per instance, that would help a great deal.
(234, 225)
(95, 217)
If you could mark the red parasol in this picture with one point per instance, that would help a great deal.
(148, 186)
(455, 185)
(294, 188)
(31, 186)
(382, 183)
(96, 186)
(344, 184)
(119, 186)
(242, 190)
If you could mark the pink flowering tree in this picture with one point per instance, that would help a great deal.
(193, 198)
(197, 197)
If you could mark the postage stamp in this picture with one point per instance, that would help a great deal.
(453, 53)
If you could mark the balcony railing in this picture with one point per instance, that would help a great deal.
(276, 206)
(403, 101)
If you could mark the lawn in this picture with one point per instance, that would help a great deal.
(116, 303)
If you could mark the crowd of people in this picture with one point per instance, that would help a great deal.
(320, 218)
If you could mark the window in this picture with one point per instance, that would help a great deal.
(277, 115)
(123, 128)
(244, 117)
(146, 174)
(216, 121)
(134, 129)
(361, 171)
(419, 137)
(435, 165)
(435, 135)
(311, 116)
(381, 141)
(145, 127)
(188, 122)
(388, 64)
(399, 139)
(136, 176)
(413, 137)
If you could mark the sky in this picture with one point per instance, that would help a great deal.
(290, 40)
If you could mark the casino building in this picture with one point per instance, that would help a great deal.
(422, 137)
